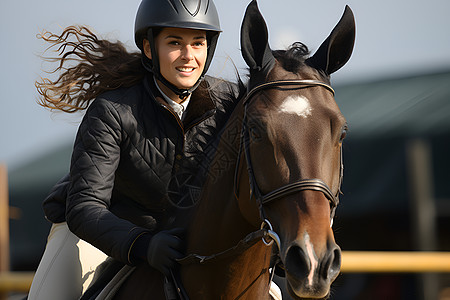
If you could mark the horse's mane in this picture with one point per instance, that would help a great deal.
(292, 58)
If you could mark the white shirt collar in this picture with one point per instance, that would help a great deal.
(178, 108)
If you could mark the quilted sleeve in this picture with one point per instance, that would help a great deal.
(95, 159)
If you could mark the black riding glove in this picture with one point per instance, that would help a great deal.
(164, 248)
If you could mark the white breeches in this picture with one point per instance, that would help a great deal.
(67, 266)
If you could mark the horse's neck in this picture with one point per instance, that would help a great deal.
(218, 225)
(218, 219)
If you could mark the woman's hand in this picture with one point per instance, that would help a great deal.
(164, 248)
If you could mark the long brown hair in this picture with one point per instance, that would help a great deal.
(89, 66)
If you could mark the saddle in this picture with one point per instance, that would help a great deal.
(111, 274)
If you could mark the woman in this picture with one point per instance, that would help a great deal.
(154, 115)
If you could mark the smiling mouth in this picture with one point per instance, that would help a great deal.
(185, 69)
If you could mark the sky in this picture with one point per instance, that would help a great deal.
(394, 38)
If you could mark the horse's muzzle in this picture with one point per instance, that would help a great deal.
(308, 274)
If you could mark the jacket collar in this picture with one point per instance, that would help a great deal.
(201, 106)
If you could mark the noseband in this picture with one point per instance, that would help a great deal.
(294, 187)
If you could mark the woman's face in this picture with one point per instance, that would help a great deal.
(182, 55)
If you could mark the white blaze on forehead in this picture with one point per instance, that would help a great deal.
(298, 105)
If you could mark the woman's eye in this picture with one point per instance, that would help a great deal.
(199, 44)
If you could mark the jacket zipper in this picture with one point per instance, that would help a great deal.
(180, 124)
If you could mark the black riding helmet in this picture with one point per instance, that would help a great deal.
(153, 15)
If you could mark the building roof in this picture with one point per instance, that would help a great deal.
(418, 105)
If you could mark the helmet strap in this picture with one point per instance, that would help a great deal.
(153, 67)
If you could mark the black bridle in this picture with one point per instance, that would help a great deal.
(294, 187)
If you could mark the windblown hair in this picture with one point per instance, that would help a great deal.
(292, 58)
(89, 66)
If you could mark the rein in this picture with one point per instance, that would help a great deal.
(245, 243)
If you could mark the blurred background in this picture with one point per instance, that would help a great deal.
(394, 92)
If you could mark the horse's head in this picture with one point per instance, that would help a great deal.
(292, 142)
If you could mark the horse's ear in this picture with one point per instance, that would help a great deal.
(254, 41)
(336, 50)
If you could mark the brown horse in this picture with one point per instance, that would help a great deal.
(275, 176)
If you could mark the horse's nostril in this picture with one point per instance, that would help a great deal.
(332, 266)
(297, 263)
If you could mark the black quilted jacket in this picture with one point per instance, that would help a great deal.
(128, 146)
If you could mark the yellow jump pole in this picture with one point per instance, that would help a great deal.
(352, 262)
(15, 281)
(395, 262)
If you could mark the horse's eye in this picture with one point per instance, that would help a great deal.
(343, 134)
(254, 132)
